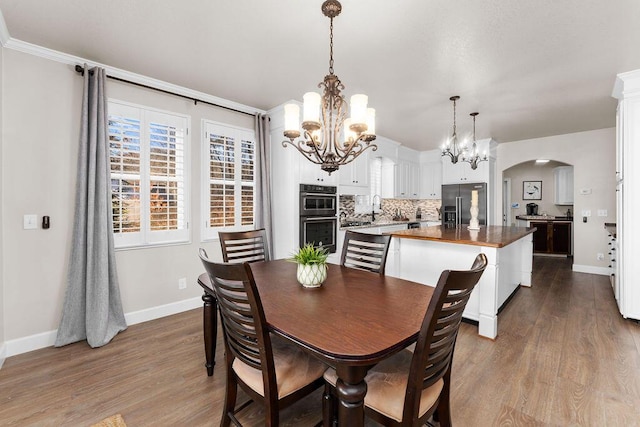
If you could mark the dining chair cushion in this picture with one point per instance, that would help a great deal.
(387, 385)
(294, 368)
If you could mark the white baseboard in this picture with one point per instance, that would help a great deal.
(48, 339)
(603, 271)
(3, 354)
(162, 310)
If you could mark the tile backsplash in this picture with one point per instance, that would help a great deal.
(388, 207)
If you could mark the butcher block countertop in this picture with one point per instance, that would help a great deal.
(495, 236)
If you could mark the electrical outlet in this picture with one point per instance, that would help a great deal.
(602, 212)
(600, 257)
(182, 283)
(586, 212)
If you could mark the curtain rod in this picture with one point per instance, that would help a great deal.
(80, 70)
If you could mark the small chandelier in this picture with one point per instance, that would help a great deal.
(474, 159)
(460, 152)
(325, 117)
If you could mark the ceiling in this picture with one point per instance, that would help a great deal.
(531, 68)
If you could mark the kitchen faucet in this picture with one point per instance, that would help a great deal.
(373, 206)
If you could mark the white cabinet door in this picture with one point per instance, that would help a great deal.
(310, 173)
(414, 181)
(356, 173)
(563, 177)
(431, 180)
(480, 174)
(461, 172)
(407, 180)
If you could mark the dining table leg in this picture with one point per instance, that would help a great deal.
(210, 328)
(351, 389)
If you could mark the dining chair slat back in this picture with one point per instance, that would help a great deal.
(365, 251)
(409, 387)
(244, 246)
(269, 369)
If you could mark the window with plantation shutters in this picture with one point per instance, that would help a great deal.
(229, 187)
(148, 180)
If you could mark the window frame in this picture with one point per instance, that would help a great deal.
(147, 237)
(239, 133)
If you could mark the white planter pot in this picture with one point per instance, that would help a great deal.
(312, 275)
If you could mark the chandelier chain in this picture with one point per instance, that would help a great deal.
(454, 118)
(331, 47)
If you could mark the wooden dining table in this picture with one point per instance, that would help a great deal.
(353, 321)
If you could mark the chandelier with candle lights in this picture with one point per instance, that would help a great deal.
(330, 138)
(459, 151)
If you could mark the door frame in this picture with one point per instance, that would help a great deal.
(506, 202)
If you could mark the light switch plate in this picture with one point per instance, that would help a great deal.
(586, 212)
(30, 222)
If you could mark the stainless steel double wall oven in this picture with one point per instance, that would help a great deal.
(318, 221)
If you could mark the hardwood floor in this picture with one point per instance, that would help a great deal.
(564, 356)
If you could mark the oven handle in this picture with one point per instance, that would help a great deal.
(318, 218)
(319, 194)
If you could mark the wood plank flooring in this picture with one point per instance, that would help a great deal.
(564, 356)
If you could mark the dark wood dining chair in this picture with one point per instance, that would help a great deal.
(237, 247)
(409, 387)
(365, 251)
(244, 246)
(270, 369)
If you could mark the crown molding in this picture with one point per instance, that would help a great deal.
(626, 85)
(4, 31)
(64, 58)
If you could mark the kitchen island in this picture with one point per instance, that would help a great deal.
(420, 255)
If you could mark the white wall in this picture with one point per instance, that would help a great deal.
(42, 101)
(2, 321)
(592, 154)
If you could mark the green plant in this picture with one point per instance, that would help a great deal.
(308, 254)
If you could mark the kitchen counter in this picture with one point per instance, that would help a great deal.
(385, 223)
(494, 236)
(545, 218)
(554, 234)
(421, 254)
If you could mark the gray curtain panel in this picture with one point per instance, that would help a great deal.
(263, 180)
(92, 307)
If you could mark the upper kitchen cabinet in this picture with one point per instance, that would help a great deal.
(431, 174)
(563, 180)
(407, 174)
(431, 180)
(461, 172)
(310, 173)
(407, 180)
(356, 173)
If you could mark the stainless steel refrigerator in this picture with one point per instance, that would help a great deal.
(456, 203)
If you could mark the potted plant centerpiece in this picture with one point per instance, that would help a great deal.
(312, 265)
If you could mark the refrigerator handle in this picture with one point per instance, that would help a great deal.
(458, 211)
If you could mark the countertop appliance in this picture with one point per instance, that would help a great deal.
(532, 209)
(318, 220)
(456, 202)
(413, 225)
